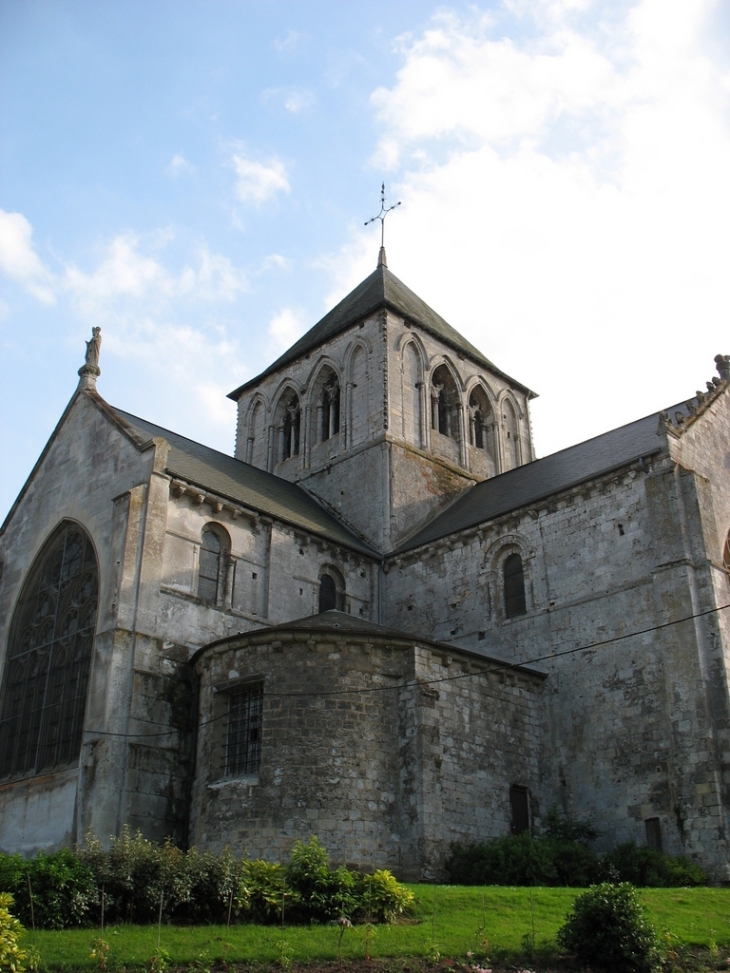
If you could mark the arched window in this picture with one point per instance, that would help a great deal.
(444, 403)
(291, 427)
(512, 435)
(331, 590)
(49, 656)
(726, 554)
(514, 587)
(329, 406)
(212, 565)
(481, 421)
(327, 593)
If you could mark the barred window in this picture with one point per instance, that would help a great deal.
(49, 655)
(243, 741)
(514, 587)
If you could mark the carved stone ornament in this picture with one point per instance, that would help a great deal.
(90, 371)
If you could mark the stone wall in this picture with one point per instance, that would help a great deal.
(636, 726)
(385, 749)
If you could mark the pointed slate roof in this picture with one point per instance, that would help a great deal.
(382, 289)
(230, 478)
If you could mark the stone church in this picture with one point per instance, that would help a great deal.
(382, 621)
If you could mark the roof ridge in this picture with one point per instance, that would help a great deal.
(380, 289)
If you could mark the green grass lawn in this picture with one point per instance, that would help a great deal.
(449, 920)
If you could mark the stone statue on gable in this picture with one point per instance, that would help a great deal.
(90, 370)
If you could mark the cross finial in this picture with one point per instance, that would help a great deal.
(384, 210)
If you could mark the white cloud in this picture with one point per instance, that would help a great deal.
(284, 329)
(294, 100)
(259, 181)
(179, 166)
(290, 42)
(566, 200)
(129, 273)
(19, 260)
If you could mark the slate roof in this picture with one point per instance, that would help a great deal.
(254, 488)
(544, 477)
(337, 623)
(382, 289)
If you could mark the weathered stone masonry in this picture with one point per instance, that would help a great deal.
(416, 618)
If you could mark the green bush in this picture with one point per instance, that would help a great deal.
(382, 897)
(11, 955)
(263, 892)
(649, 868)
(511, 860)
(136, 880)
(608, 929)
(135, 876)
(62, 886)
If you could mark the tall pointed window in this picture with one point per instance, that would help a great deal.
(444, 403)
(514, 587)
(49, 657)
(210, 566)
(481, 421)
(291, 428)
(330, 408)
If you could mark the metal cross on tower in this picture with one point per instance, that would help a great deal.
(384, 210)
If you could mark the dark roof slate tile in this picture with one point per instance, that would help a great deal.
(254, 488)
(544, 477)
(382, 289)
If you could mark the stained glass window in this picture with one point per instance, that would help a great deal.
(49, 655)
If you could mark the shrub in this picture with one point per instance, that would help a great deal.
(650, 868)
(135, 875)
(63, 888)
(321, 892)
(263, 892)
(11, 955)
(382, 897)
(511, 860)
(214, 885)
(607, 929)
(136, 879)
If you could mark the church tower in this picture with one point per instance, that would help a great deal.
(383, 412)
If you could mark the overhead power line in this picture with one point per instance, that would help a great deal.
(494, 667)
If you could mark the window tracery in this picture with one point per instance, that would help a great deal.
(49, 657)
(444, 403)
(330, 408)
(291, 427)
(481, 421)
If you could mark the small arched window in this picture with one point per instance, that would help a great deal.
(331, 590)
(49, 657)
(726, 554)
(327, 593)
(514, 586)
(212, 565)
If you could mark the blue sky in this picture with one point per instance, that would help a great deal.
(193, 176)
